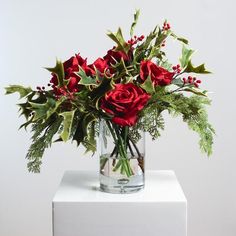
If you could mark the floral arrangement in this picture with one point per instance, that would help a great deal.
(129, 88)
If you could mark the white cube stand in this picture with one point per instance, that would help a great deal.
(80, 209)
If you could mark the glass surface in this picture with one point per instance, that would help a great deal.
(121, 160)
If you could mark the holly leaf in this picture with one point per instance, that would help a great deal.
(84, 79)
(23, 91)
(161, 37)
(195, 91)
(183, 40)
(25, 109)
(105, 85)
(178, 82)
(119, 39)
(148, 85)
(41, 109)
(59, 71)
(90, 141)
(139, 53)
(30, 121)
(68, 117)
(136, 16)
(54, 108)
(198, 69)
(186, 55)
(165, 64)
(82, 131)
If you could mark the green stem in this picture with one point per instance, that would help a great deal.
(130, 148)
(111, 130)
(136, 148)
(123, 162)
(126, 130)
(123, 152)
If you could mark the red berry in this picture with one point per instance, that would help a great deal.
(196, 85)
(198, 81)
(178, 66)
(174, 67)
(184, 80)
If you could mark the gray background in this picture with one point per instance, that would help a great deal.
(33, 33)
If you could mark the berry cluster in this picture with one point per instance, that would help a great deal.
(176, 68)
(40, 89)
(135, 40)
(166, 26)
(192, 81)
(163, 43)
(62, 91)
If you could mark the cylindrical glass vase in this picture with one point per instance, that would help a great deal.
(121, 159)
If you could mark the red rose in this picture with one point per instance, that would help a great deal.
(124, 102)
(115, 56)
(100, 64)
(159, 75)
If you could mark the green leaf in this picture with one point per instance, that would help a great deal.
(140, 52)
(54, 108)
(183, 40)
(161, 37)
(195, 91)
(41, 109)
(105, 85)
(59, 71)
(89, 141)
(178, 82)
(186, 55)
(136, 16)
(25, 109)
(68, 117)
(23, 91)
(89, 117)
(198, 69)
(84, 79)
(165, 64)
(30, 121)
(84, 130)
(148, 85)
(119, 39)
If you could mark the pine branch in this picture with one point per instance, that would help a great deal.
(194, 113)
(150, 121)
(40, 143)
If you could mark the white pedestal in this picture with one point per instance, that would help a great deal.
(80, 209)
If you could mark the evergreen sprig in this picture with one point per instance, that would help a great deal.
(41, 139)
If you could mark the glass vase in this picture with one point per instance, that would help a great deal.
(121, 158)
